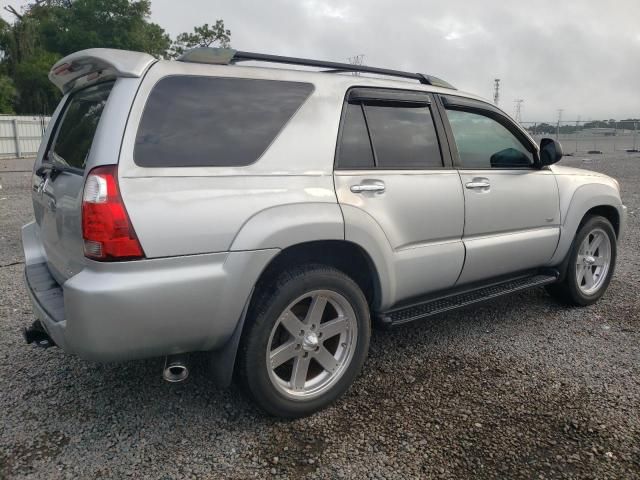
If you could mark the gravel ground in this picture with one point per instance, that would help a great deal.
(519, 388)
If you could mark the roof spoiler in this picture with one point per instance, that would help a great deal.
(87, 66)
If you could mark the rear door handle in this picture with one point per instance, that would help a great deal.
(368, 187)
(478, 183)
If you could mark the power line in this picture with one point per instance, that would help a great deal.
(356, 60)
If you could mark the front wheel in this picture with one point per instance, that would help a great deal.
(307, 340)
(591, 264)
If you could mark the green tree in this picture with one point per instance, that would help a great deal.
(203, 36)
(8, 94)
(47, 30)
(69, 27)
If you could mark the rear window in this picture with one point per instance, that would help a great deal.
(193, 121)
(78, 125)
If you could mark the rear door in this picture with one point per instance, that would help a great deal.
(393, 172)
(512, 215)
(59, 180)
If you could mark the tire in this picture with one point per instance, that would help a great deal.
(574, 289)
(291, 318)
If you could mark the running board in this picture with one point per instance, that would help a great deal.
(445, 303)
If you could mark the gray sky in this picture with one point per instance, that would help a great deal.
(582, 56)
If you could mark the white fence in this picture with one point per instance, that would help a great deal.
(20, 136)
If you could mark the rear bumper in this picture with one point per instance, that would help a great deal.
(146, 308)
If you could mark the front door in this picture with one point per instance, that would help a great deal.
(390, 178)
(512, 215)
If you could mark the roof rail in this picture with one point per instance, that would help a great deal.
(226, 56)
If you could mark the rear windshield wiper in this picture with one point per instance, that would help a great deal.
(50, 168)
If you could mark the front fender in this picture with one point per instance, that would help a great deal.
(584, 198)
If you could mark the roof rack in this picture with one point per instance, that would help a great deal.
(226, 56)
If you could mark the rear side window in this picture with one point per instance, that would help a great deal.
(388, 135)
(193, 121)
(73, 139)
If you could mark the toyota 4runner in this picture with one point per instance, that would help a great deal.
(268, 215)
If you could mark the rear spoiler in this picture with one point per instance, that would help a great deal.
(87, 66)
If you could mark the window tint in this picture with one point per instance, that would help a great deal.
(193, 121)
(403, 136)
(388, 135)
(355, 148)
(484, 143)
(78, 126)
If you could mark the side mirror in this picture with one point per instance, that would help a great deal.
(550, 151)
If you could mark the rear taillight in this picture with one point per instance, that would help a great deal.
(107, 231)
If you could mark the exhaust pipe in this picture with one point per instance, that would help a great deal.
(175, 368)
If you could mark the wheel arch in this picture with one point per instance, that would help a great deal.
(588, 199)
(346, 256)
(607, 211)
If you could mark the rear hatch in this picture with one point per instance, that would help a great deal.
(59, 180)
(86, 132)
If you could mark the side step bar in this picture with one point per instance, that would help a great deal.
(452, 301)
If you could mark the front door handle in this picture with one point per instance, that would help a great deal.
(478, 183)
(377, 187)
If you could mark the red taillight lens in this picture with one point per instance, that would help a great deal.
(107, 231)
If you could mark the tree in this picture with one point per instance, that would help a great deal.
(203, 36)
(8, 94)
(47, 30)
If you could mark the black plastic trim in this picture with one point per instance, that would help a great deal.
(455, 298)
(404, 97)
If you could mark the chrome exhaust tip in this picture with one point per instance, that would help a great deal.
(175, 369)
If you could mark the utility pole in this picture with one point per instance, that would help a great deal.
(357, 60)
(496, 91)
(518, 102)
(560, 110)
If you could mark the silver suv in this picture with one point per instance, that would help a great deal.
(268, 216)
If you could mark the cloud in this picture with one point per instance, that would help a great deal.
(581, 56)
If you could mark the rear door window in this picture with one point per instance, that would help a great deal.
(388, 134)
(72, 142)
(191, 121)
(355, 146)
(403, 136)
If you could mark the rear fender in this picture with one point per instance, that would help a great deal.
(285, 225)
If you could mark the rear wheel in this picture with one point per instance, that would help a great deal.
(307, 340)
(591, 264)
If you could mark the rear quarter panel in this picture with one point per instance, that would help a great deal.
(191, 210)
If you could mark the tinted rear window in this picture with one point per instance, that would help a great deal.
(79, 122)
(388, 135)
(355, 147)
(403, 137)
(203, 121)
